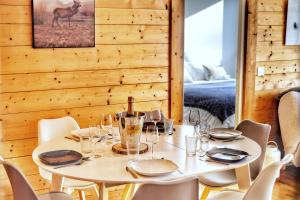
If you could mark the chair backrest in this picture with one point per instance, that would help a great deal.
(260, 134)
(262, 187)
(21, 188)
(50, 128)
(175, 190)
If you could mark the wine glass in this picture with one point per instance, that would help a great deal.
(194, 119)
(152, 137)
(155, 116)
(95, 137)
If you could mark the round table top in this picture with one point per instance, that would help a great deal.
(111, 168)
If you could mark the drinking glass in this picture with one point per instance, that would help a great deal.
(168, 125)
(152, 137)
(133, 146)
(85, 144)
(95, 137)
(204, 144)
(191, 145)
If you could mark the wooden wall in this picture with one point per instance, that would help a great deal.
(266, 36)
(131, 57)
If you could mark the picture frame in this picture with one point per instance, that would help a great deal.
(63, 23)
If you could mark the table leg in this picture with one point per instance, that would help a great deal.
(243, 177)
(103, 192)
(57, 181)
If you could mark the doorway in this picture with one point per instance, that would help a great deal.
(213, 61)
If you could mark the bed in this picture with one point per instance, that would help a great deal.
(215, 100)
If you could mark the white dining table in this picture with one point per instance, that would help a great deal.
(111, 167)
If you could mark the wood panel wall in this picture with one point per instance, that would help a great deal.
(266, 48)
(131, 57)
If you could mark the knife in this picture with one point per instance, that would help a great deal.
(133, 174)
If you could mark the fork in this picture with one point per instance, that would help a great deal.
(70, 164)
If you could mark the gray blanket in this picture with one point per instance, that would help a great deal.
(216, 98)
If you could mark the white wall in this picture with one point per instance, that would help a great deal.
(204, 33)
(230, 36)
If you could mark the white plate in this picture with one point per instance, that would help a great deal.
(154, 167)
(223, 133)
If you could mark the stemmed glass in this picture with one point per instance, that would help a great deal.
(152, 137)
(155, 116)
(95, 136)
(194, 119)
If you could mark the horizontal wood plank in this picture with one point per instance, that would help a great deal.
(21, 34)
(18, 148)
(270, 33)
(24, 59)
(279, 67)
(23, 15)
(270, 18)
(277, 81)
(79, 79)
(271, 5)
(150, 4)
(80, 97)
(273, 51)
(24, 125)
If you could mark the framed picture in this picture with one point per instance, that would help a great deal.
(292, 36)
(63, 23)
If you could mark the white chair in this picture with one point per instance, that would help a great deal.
(262, 187)
(50, 128)
(170, 190)
(22, 189)
(216, 180)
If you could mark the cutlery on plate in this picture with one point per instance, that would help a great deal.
(70, 164)
(72, 138)
(215, 161)
(233, 139)
(133, 174)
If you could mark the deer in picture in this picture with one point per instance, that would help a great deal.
(65, 12)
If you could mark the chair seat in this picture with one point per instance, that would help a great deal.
(69, 183)
(227, 195)
(55, 196)
(218, 179)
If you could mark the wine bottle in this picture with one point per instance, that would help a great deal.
(130, 109)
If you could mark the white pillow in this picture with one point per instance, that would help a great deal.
(216, 73)
(196, 73)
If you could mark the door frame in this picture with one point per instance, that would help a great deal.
(176, 55)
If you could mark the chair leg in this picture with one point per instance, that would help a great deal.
(68, 190)
(127, 193)
(95, 192)
(81, 194)
(103, 192)
(205, 193)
